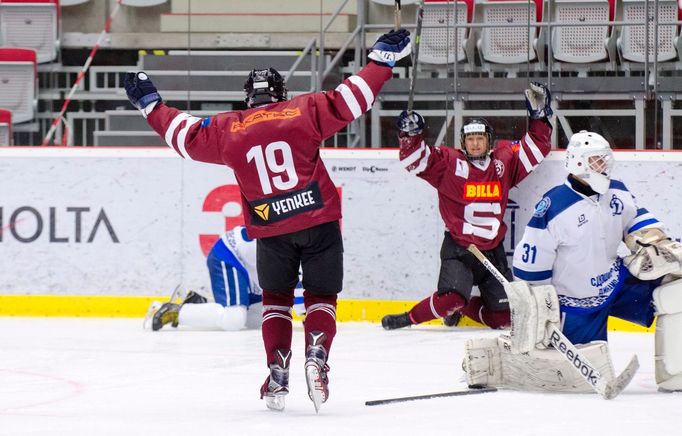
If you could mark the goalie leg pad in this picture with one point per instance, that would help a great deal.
(213, 316)
(489, 362)
(533, 308)
(668, 348)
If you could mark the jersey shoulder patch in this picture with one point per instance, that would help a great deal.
(555, 201)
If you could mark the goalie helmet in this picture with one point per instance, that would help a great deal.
(589, 157)
(476, 126)
(264, 87)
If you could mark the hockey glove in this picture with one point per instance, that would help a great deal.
(141, 92)
(538, 101)
(411, 123)
(391, 47)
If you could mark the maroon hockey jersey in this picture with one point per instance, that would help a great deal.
(274, 150)
(472, 196)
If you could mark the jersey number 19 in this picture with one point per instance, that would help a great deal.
(270, 168)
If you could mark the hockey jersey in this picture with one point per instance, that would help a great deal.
(572, 242)
(243, 249)
(274, 150)
(473, 195)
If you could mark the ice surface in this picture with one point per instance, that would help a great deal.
(108, 376)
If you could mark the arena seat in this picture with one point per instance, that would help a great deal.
(143, 3)
(5, 127)
(500, 44)
(63, 3)
(630, 43)
(441, 45)
(31, 24)
(583, 44)
(18, 79)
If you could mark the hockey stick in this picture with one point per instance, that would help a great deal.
(608, 389)
(397, 15)
(429, 396)
(415, 56)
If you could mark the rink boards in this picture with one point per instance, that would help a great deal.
(101, 232)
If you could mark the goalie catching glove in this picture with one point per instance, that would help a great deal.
(538, 101)
(391, 47)
(654, 254)
(533, 311)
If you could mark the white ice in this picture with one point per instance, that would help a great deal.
(110, 377)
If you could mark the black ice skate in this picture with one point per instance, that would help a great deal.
(194, 298)
(316, 369)
(167, 314)
(392, 322)
(276, 386)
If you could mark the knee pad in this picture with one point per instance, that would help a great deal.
(668, 348)
(489, 362)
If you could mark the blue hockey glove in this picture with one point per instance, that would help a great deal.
(538, 101)
(412, 123)
(141, 92)
(391, 47)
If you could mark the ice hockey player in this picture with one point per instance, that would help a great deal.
(292, 205)
(570, 248)
(237, 295)
(473, 184)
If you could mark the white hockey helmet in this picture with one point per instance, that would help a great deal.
(589, 157)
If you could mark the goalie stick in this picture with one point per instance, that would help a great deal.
(608, 389)
(430, 396)
(397, 15)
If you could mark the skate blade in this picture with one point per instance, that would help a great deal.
(312, 375)
(153, 308)
(275, 402)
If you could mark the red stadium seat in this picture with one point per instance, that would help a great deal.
(5, 127)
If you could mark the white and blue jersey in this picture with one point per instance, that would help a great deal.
(572, 243)
(232, 268)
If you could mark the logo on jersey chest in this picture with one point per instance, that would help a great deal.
(277, 208)
(482, 191)
(262, 116)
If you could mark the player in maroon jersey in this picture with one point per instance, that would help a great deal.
(291, 205)
(473, 185)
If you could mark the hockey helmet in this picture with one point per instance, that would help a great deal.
(589, 157)
(264, 87)
(476, 126)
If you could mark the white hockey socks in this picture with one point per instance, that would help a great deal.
(213, 316)
(668, 300)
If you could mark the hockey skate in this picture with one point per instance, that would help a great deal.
(316, 369)
(392, 322)
(167, 314)
(276, 386)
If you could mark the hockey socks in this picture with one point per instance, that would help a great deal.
(320, 317)
(276, 326)
(495, 319)
(436, 306)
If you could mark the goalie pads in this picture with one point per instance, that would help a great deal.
(654, 254)
(489, 362)
(213, 316)
(668, 348)
(533, 310)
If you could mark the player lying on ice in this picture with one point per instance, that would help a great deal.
(237, 295)
(572, 278)
(473, 184)
(290, 204)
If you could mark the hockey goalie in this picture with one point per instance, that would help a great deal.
(569, 276)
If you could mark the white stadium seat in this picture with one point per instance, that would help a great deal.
(31, 24)
(72, 2)
(502, 44)
(583, 44)
(441, 45)
(18, 80)
(143, 3)
(631, 45)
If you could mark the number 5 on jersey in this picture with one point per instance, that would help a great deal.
(273, 162)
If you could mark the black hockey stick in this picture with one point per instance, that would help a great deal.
(430, 396)
(608, 389)
(415, 56)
